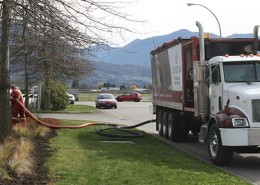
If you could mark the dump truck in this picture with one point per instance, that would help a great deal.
(209, 87)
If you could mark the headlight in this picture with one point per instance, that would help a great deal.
(239, 122)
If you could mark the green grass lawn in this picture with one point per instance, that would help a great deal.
(80, 157)
(72, 108)
(79, 109)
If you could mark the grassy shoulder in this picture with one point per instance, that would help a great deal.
(80, 157)
(72, 108)
(79, 109)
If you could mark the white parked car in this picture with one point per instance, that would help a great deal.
(32, 100)
(71, 98)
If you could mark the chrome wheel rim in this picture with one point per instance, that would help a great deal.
(170, 126)
(160, 121)
(164, 125)
(214, 144)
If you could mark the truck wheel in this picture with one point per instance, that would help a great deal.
(159, 122)
(170, 125)
(174, 127)
(184, 126)
(218, 154)
(164, 125)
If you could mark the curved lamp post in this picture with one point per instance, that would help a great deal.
(191, 4)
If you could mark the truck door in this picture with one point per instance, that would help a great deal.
(215, 90)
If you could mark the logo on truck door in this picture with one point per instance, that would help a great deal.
(175, 67)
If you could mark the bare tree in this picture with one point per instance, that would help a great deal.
(48, 58)
(77, 23)
(5, 116)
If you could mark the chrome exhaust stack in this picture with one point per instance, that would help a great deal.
(256, 39)
(201, 92)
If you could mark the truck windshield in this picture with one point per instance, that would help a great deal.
(242, 71)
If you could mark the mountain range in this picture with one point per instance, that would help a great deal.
(130, 64)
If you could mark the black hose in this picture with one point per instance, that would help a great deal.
(124, 129)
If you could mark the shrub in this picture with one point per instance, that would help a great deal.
(58, 95)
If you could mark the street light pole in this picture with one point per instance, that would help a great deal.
(191, 4)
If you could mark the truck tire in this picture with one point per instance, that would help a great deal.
(184, 126)
(218, 154)
(170, 125)
(159, 122)
(164, 124)
(173, 127)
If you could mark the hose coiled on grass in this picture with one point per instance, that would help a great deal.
(124, 129)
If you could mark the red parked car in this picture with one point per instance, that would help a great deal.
(133, 96)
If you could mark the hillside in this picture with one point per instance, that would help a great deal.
(131, 63)
(138, 51)
(119, 74)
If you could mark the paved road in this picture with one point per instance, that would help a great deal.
(127, 113)
(130, 113)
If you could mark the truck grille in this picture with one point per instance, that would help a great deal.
(256, 110)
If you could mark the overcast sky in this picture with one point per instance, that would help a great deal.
(166, 16)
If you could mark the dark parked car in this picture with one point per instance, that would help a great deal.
(133, 96)
(106, 100)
